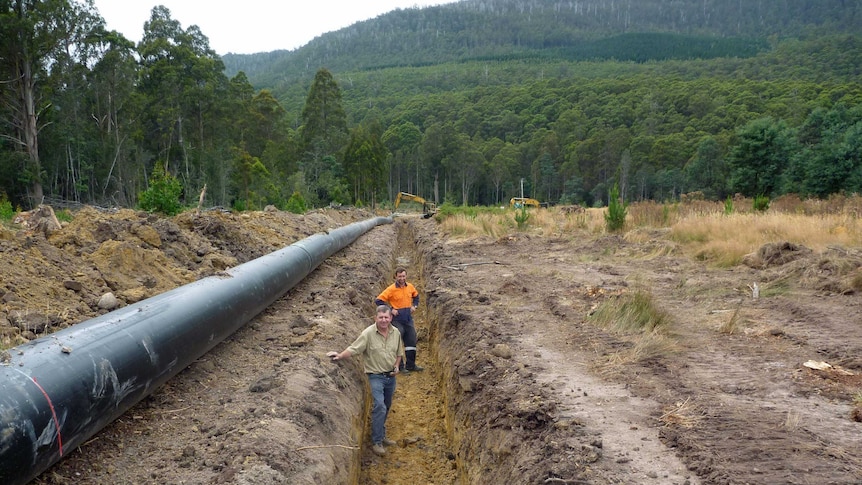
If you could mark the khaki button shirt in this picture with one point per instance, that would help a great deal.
(378, 352)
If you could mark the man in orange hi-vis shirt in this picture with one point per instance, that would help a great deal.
(403, 298)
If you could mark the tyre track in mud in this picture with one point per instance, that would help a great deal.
(752, 422)
(733, 407)
(762, 421)
(533, 301)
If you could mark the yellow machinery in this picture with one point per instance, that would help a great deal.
(428, 208)
(518, 202)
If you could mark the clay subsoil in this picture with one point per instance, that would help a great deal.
(522, 385)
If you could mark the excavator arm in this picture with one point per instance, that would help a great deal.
(428, 208)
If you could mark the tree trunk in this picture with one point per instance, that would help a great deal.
(31, 133)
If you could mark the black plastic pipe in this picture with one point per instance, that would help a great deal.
(58, 391)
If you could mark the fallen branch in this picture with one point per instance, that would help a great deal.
(461, 266)
(327, 446)
(167, 411)
(568, 482)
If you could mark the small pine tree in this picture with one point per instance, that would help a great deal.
(615, 217)
(521, 218)
(296, 204)
(7, 212)
(728, 206)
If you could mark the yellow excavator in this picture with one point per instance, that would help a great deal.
(428, 208)
(519, 202)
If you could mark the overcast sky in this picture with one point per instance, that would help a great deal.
(249, 26)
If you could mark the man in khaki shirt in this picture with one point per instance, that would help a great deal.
(382, 351)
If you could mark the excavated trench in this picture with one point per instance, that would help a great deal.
(418, 420)
(476, 414)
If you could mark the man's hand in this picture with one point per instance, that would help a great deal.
(332, 355)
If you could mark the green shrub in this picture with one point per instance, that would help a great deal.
(296, 204)
(7, 212)
(163, 195)
(761, 203)
(471, 212)
(615, 217)
(447, 209)
(64, 215)
(239, 205)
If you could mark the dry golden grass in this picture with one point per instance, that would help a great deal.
(646, 346)
(725, 239)
(484, 224)
(729, 326)
(636, 318)
(792, 420)
(542, 222)
(699, 227)
(683, 414)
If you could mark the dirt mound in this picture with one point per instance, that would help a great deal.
(775, 254)
(56, 278)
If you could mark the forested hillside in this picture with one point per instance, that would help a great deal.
(466, 103)
(570, 30)
(576, 96)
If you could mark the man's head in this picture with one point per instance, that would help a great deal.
(383, 317)
(400, 277)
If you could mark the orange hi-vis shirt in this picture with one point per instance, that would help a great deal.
(398, 298)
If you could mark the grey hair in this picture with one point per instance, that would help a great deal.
(383, 309)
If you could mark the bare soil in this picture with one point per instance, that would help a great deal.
(521, 384)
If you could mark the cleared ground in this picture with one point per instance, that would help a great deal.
(523, 385)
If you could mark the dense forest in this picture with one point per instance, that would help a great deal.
(469, 103)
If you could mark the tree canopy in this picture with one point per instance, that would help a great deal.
(470, 104)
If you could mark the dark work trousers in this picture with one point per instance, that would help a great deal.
(404, 323)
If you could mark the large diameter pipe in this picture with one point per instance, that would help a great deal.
(58, 391)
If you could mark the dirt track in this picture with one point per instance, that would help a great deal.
(522, 386)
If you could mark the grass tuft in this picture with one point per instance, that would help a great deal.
(631, 313)
(730, 325)
(683, 414)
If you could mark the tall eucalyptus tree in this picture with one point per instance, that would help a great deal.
(183, 85)
(39, 41)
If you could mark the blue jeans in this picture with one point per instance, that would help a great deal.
(382, 390)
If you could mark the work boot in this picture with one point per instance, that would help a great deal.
(388, 442)
(411, 360)
(416, 368)
(378, 449)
